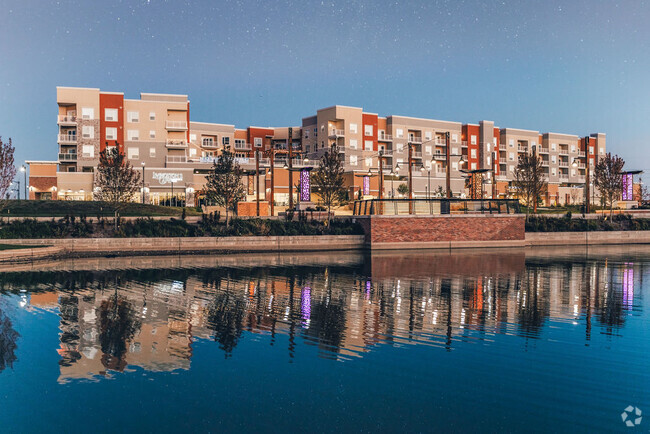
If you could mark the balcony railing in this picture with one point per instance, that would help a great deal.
(563, 164)
(544, 163)
(581, 154)
(68, 156)
(416, 154)
(176, 125)
(63, 119)
(522, 148)
(435, 206)
(385, 138)
(415, 139)
(502, 161)
(502, 146)
(243, 146)
(563, 151)
(176, 159)
(439, 157)
(176, 144)
(67, 138)
(463, 143)
(543, 150)
(336, 133)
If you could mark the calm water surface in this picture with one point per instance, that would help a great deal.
(506, 340)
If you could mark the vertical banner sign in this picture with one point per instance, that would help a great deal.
(366, 185)
(305, 190)
(628, 185)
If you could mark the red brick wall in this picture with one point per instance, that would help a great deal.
(40, 184)
(447, 228)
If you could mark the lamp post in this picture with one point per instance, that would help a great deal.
(494, 175)
(587, 176)
(24, 170)
(392, 178)
(290, 149)
(257, 183)
(142, 182)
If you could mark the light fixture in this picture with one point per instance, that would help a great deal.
(392, 173)
(22, 168)
(285, 165)
(397, 167)
(575, 162)
(369, 173)
(422, 169)
(305, 160)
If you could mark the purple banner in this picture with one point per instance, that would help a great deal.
(628, 187)
(305, 190)
(366, 185)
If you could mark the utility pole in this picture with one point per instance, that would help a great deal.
(410, 185)
(290, 145)
(381, 174)
(257, 182)
(494, 175)
(587, 202)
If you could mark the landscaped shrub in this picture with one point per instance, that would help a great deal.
(619, 222)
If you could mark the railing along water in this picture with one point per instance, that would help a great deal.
(435, 206)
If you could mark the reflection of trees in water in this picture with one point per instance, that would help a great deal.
(8, 337)
(226, 317)
(118, 324)
(533, 307)
(69, 325)
(327, 324)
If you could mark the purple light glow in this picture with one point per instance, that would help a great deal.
(366, 185)
(628, 185)
(305, 190)
(628, 285)
(305, 305)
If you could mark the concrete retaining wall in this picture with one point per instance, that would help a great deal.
(29, 254)
(126, 246)
(587, 238)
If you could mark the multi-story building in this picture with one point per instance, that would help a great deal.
(156, 135)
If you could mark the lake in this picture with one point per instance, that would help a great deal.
(482, 340)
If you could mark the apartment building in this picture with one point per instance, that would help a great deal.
(175, 154)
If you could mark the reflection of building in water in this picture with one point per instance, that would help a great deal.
(148, 322)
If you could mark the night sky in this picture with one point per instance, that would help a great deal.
(574, 67)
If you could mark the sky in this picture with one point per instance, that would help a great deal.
(575, 67)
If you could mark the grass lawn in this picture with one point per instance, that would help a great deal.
(91, 209)
(14, 247)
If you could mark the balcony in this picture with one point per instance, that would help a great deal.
(68, 156)
(543, 150)
(544, 163)
(67, 138)
(386, 152)
(521, 148)
(581, 154)
(176, 144)
(385, 138)
(439, 157)
(176, 125)
(564, 177)
(463, 143)
(334, 133)
(415, 139)
(209, 145)
(416, 154)
(242, 146)
(563, 164)
(563, 151)
(66, 120)
(502, 146)
(176, 159)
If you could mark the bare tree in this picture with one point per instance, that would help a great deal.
(115, 180)
(608, 178)
(328, 178)
(644, 193)
(530, 180)
(223, 183)
(7, 169)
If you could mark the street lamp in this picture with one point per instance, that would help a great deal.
(142, 182)
(422, 170)
(392, 177)
(24, 170)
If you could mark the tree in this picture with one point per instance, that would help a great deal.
(329, 180)
(118, 324)
(115, 179)
(223, 183)
(403, 189)
(608, 178)
(530, 180)
(7, 169)
(644, 193)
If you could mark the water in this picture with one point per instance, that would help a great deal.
(501, 340)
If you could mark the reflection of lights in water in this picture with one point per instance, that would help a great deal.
(399, 303)
(368, 286)
(462, 318)
(305, 306)
(169, 288)
(628, 284)
(286, 313)
(575, 309)
(270, 302)
(435, 316)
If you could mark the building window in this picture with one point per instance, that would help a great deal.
(367, 130)
(369, 162)
(427, 150)
(88, 132)
(454, 165)
(225, 141)
(399, 133)
(367, 145)
(399, 147)
(511, 156)
(454, 151)
(427, 135)
(473, 166)
(573, 148)
(353, 143)
(88, 113)
(353, 128)
(591, 150)
(88, 151)
(258, 142)
(152, 152)
(306, 134)
(133, 117)
(152, 116)
(511, 143)
(152, 134)
(110, 115)
(193, 138)
(454, 137)
(553, 159)
(111, 133)
(553, 172)
(192, 152)
(473, 153)
(473, 140)
(489, 161)
(353, 160)
(208, 141)
(133, 153)
(133, 135)
(553, 146)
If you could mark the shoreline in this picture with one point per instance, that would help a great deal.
(62, 248)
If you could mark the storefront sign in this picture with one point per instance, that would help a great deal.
(628, 185)
(305, 190)
(366, 185)
(167, 177)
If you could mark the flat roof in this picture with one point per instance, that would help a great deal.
(41, 162)
(423, 119)
(72, 87)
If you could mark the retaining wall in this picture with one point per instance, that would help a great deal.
(587, 238)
